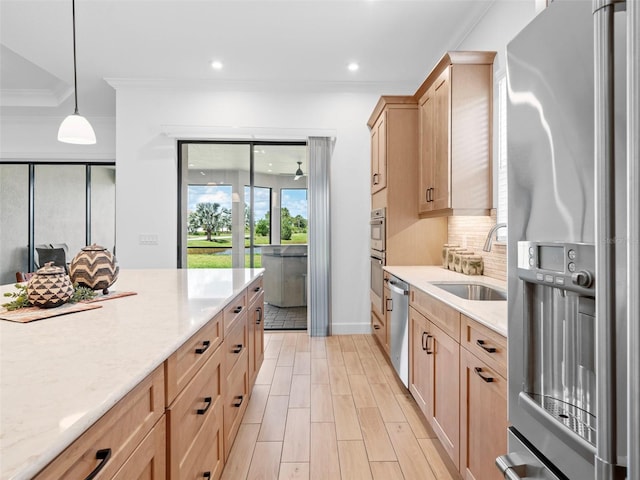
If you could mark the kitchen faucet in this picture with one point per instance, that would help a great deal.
(489, 241)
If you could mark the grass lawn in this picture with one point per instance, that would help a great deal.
(225, 241)
(201, 260)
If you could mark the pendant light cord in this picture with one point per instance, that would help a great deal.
(75, 75)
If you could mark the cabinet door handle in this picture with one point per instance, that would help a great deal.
(259, 319)
(482, 344)
(203, 348)
(238, 309)
(206, 475)
(237, 348)
(375, 178)
(478, 371)
(429, 350)
(202, 411)
(239, 399)
(424, 341)
(376, 327)
(389, 304)
(103, 455)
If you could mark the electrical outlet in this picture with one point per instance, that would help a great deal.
(148, 239)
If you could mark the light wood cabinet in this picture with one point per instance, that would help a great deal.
(379, 155)
(181, 421)
(195, 414)
(379, 329)
(434, 355)
(108, 444)
(457, 375)
(483, 418)
(455, 136)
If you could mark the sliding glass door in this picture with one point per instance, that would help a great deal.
(244, 204)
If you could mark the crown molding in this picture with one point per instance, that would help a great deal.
(261, 86)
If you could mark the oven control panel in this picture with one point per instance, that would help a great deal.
(569, 266)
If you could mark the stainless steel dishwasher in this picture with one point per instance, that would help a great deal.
(399, 327)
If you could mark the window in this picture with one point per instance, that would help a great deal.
(261, 214)
(501, 156)
(293, 215)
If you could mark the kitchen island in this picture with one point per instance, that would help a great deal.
(60, 375)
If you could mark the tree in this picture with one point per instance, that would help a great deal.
(193, 223)
(263, 225)
(286, 224)
(208, 215)
(300, 223)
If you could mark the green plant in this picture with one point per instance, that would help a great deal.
(20, 298)
(81, 293)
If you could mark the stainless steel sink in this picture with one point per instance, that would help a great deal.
(472, 291)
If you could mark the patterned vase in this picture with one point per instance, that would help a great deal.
(94, 267)
(49, 287)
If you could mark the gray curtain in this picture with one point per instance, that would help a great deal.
(319, 151)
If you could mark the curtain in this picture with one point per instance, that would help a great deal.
(319, 151)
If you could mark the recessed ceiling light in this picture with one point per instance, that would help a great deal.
(216, 65)
(353, 67)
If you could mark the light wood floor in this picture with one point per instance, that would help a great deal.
(331, 408)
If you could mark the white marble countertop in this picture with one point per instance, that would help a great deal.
(492, 314)
(59, 375)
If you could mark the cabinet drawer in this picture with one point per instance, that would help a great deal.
(149, 460)
(207, 455)
(254, 290)
(236, 398)
(188, 415)
(118, 432)
(187, 360)
(236, 343)
(234, 311)
(442, 315)
(485, 344)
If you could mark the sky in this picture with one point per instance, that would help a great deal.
(294, 199)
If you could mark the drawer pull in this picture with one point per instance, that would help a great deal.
(238, 309)
(377, 327)
(103, 455)
(202, 411)
(482, 345)
(205, 346)
(238, 401)
(257, 289)
(478, 371)
(424, 342)
(206, 475)
(389, 305)
(259, 319)
(237, 348)
(428, 349)
(375, 178)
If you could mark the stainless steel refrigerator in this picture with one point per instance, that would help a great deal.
(572, 245)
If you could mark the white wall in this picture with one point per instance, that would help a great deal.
(146, 170)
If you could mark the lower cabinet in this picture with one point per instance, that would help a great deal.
(114, 441)
(457, 371)
(434, 356)
(379, 329)
(483, 418)
(194, 416)
(180, 422)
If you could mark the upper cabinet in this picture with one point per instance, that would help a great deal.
(455, 136)
(379, 154)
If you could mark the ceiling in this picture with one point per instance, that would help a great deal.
(263, 44)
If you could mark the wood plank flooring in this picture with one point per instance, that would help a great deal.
(331, 408)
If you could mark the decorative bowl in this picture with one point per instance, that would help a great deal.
(94, 267)
(49, 287)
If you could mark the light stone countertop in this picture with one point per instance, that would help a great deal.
(59, 375)
(492, 314)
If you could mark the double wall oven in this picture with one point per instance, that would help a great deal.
(378, 257)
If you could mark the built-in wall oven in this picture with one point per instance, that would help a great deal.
(378, 258)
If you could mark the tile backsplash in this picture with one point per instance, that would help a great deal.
(471, 232)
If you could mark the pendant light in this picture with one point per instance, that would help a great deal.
(299, 172)
(75, 128)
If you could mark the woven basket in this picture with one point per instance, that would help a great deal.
(94, 267)
(49, 287)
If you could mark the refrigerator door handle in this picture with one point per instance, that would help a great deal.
(633, 245)
(605, 291)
